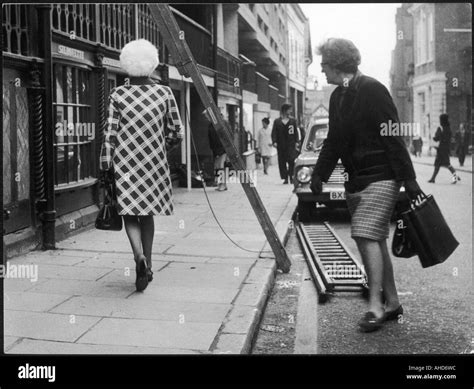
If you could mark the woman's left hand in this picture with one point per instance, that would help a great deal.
(412, 189)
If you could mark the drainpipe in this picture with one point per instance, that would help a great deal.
(214, 50)
(48, 215)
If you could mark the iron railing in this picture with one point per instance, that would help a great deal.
(228, 71)
(15, 28)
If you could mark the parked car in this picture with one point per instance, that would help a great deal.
(333, 192)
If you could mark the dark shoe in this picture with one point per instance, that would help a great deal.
(432, 181)
(370, 322)
(285, 182)
(141, 281)
(149, 274)
(393, 315)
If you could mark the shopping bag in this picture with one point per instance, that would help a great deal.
(428, 231)
(108, 217)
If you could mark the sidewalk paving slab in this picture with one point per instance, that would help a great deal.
(152, 333)
(48, 326)
(207, 295)
(429, 160)
(33, 346)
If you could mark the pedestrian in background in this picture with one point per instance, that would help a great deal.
(376, 165)
(285, 137)
(443, 136)
(220, 156)
(417, 145)
(134, 150)
(462, 143)
(264, 144)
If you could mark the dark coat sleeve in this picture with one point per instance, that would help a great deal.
(381, 110)
(330, 152)
(274, 132)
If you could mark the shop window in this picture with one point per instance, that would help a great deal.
(75, 129)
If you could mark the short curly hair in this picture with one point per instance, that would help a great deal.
(341, 54)
(139, 58)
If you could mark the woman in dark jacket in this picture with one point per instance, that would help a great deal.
(443, 136)
(376, 163)
(462, 143)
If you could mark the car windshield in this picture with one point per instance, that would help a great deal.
(316, 137)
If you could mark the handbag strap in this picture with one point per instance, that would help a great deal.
(418, 201)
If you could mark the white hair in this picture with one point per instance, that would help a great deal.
(139, 58)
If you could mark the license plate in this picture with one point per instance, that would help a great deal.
(337, 195)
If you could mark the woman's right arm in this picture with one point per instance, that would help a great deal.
(110, 135)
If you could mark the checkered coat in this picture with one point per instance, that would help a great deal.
(134, 145)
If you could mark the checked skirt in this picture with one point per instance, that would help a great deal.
(371, 209)
(134, 145)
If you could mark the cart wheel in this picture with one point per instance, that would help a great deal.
(323, 298)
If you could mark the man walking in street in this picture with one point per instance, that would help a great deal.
(462, 143)
(220, 155)
(286, 138)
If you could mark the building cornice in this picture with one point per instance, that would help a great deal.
(428, 77)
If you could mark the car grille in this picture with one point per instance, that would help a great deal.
(337, 176)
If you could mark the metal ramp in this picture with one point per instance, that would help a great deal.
(332, 266)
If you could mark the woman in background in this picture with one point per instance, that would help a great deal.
(443, 136)
(264, 143)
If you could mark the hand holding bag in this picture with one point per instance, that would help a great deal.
(108, 217)
(428, 231)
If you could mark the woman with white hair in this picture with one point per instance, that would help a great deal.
(134, 150)
(376, 166)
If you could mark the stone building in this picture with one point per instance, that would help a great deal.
(442, 51)
(402, 68)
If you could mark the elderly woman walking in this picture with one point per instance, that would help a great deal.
(376, 165)
(134, 150)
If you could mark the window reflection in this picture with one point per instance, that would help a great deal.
(74, 129)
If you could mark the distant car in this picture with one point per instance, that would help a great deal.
(333, 193)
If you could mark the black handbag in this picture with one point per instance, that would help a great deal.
(428, 231)
(108, 217)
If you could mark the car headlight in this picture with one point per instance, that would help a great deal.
(304, 175)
